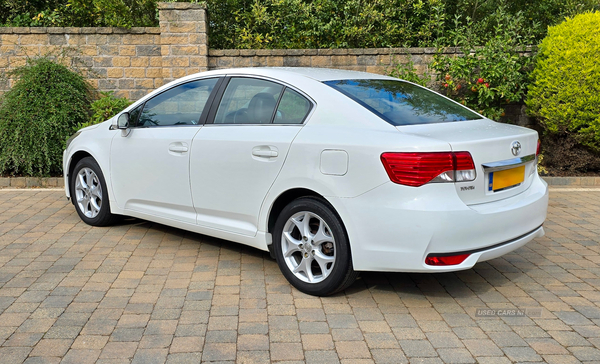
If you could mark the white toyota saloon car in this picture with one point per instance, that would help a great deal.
(334, 172)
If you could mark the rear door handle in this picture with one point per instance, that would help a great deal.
(178, 147)
(265, 151)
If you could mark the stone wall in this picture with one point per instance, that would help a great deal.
(131, 62)
(375, 60)
(124, 60)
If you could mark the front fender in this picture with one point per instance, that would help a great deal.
(95, 142)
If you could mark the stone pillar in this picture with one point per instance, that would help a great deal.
(184, 42)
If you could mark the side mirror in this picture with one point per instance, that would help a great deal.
(123, 121)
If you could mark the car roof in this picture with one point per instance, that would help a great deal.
(318, 74)
(291, 75)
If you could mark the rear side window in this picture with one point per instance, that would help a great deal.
(402, 103)
(248, 101)
(292, 109)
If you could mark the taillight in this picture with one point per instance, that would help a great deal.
(446, 260)
(465, 168)
(539, 148)
(417, 169)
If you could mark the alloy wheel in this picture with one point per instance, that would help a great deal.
(88, 192)
(308, 247)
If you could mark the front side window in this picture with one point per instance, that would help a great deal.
(248, 101)
(181, 105)
(134, 116)
(402, 103)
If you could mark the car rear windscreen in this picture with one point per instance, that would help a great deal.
(402, 103)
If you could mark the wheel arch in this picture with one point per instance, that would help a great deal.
(290, 195)
(275, 251)
(284, 199)
(75, 158)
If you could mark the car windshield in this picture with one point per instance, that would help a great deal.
(402, 103)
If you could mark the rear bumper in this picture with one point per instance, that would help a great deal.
(394, 228)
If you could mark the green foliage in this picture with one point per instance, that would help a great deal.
(104, 108)
(310, 23)
(323, 23)
(537, 15)
(79, 13)
(565, 93)
(116, 13)
(541, 169)
(408, 72)
(376, 23)
(38, 114)
(45, 18)
(21, 13)
(487, 75)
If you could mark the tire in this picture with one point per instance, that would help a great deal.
(314, 254)
(89, 193)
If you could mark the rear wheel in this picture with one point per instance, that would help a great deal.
(311, 247)
(89, 193)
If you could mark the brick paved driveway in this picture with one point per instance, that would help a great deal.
(148, 293)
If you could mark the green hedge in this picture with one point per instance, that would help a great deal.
(565, 93)
(487, 75)
(37, 116)
(311, 23)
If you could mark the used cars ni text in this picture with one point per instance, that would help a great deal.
(334, 172)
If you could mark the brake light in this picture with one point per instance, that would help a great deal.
(539, 148)
(417, 169)
(446, 260)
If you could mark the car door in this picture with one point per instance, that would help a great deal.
(238, 154)
(150, 164)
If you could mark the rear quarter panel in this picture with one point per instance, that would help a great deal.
(338, 123)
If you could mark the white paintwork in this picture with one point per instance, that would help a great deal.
(487, 141)
(334, 162)
(235, 173)
(150, 172)
(232, 169)
(402, 229)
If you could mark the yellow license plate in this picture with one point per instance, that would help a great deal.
(506, 178)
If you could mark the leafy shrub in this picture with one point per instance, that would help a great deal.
(487, 77)
(79, 13)
(324, 23)
(104, 108)
(20, 13)
(308, 23)
(115, 13)
(565, 93)
(537, 15)
(408, 72)
(378, 23)
(38, 114)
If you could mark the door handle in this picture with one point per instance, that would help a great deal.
(178, 148)
(265, 151)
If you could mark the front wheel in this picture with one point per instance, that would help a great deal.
(312, 249)
(89, 193)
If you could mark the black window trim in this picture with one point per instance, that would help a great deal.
(203, 116)
(217, 101)
(219, 96)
